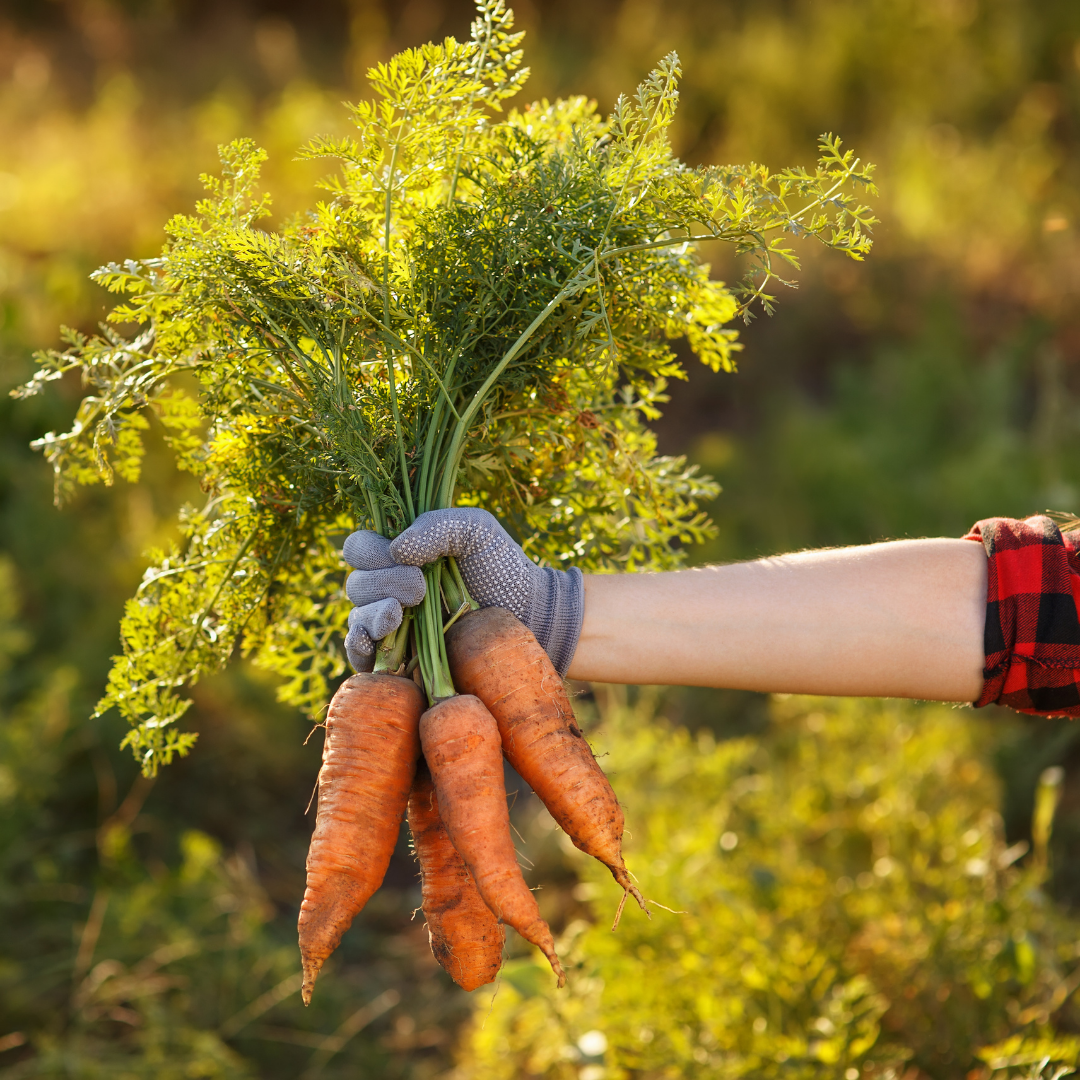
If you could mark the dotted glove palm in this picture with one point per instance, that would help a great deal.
(496, 572)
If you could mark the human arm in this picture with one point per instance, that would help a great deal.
(903, 618)
(994, 621)
(897, 619)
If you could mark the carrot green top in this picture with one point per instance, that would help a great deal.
(480, 311)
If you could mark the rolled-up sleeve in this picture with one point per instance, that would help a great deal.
(1032, 634)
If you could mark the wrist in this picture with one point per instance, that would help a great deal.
(556, 612)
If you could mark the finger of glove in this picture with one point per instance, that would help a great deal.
(404, 583)
(359, 659)
(461, 531)
(359, 647)
(367, 550)
(375, 620)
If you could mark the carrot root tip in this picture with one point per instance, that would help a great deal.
(623, 878)
(311, 973)
(548, 949)
(618, 914)
(635, 892)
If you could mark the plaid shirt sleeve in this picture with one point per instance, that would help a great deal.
(1032, 635)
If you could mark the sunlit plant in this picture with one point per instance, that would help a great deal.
(480, 312)
(845, 906)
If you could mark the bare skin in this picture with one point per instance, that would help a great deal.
(898, 619)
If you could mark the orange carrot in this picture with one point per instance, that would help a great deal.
(369, 758)
(464, 753)
(496, 657)
(465, 937)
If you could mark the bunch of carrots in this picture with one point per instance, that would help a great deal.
(513, 703)
(480, 313)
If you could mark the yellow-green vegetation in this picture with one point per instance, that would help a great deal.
(909, 395)
(483, 300)
(167, 972)
(843, 904)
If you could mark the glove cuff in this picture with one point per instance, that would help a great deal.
(556, 613)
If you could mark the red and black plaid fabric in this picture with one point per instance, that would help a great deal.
(1032, 636)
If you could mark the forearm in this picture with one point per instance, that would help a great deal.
(901, 619)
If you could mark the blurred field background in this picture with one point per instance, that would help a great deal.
(866, 893)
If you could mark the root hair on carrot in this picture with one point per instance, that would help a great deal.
(618, 914)
(656, 903)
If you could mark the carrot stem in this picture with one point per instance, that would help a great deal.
(451, 591)
(456, 595)
(430, 645)
(391, 651)
(459, 581)
(463, 610)
(461, 429)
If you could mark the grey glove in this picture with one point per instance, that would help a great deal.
(379, 588)
(496, 572)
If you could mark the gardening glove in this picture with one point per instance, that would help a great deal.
(496, 572)
(379, 588)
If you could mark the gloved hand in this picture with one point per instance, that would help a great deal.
(496, 572)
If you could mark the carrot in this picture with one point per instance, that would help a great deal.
(465, 937)
(369, 758)
(464, 752)
(496, 657)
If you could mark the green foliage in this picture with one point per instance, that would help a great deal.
(187, 933)
(925, 436)
(845, 904)
(131, 949)
(471, 280)
(150, 933)
(224, 584)
(970, 110)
